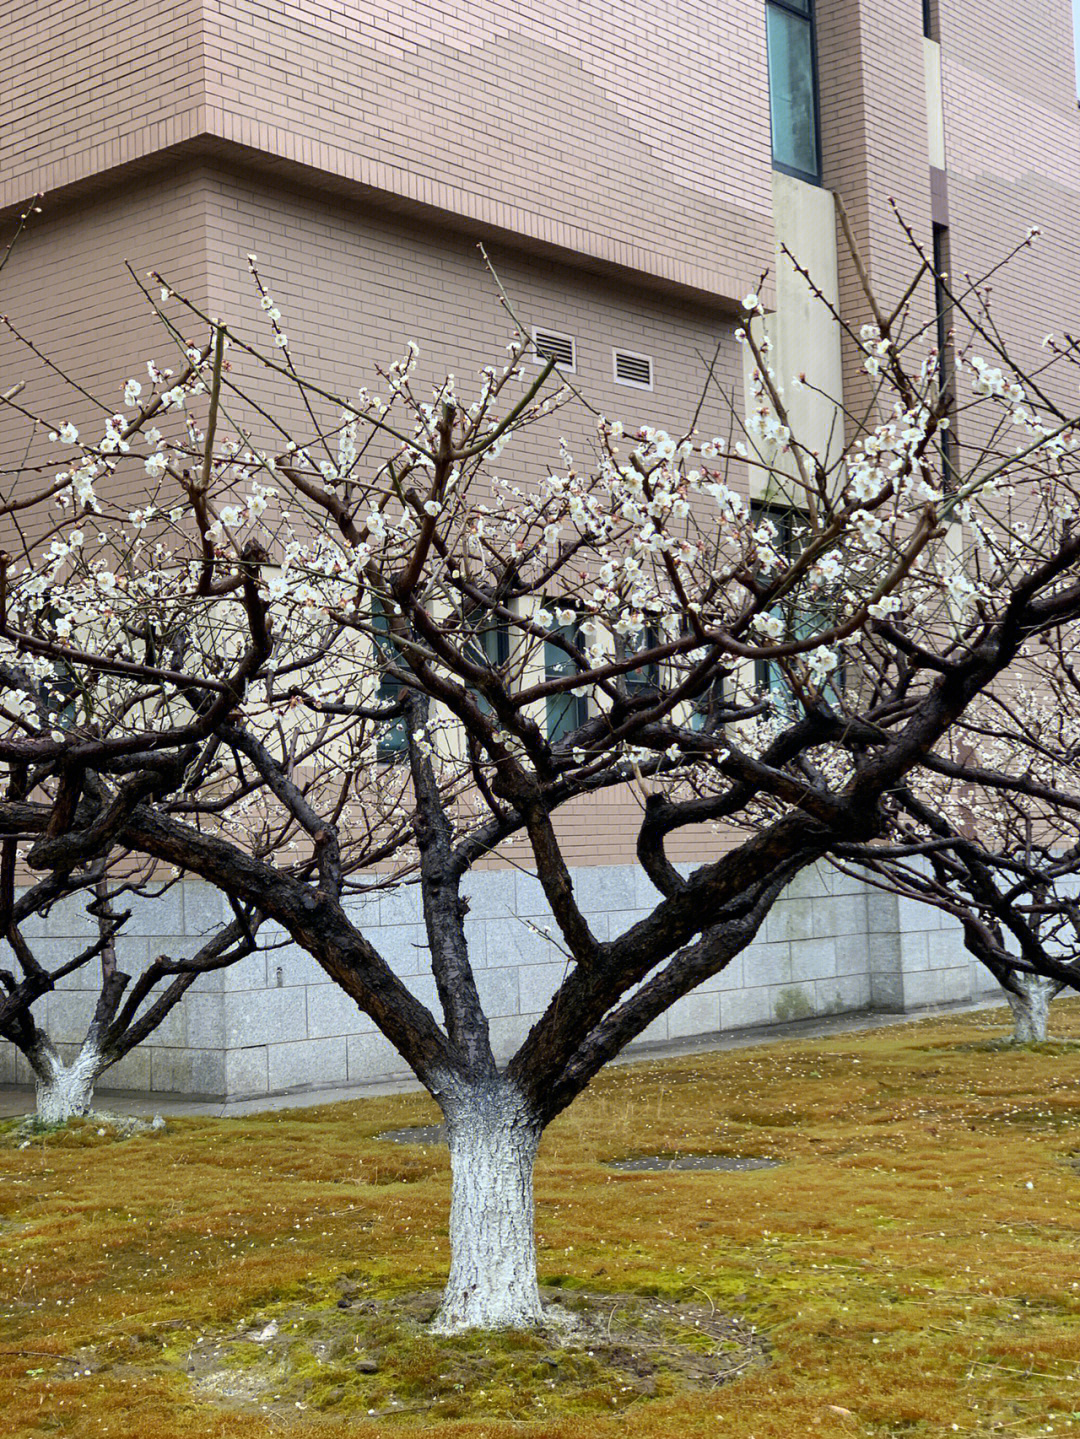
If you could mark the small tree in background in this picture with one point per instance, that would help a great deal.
(124, 1013)
(988, 833)
(294, 670)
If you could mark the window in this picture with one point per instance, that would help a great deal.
(704, 709)
(793, 88)
(485, 640)
(646, 680)
(390, 743)
(569, 709)
(800, 620)
(930, 19)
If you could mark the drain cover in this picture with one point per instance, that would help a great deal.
(417, 1134)
(648, 1163)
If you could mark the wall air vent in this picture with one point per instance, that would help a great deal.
(631, 369)
(551, 345)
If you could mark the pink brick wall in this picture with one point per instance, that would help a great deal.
(88, 86)
(1013, 156)
(635, 135)
(65, 287)
(875, 147)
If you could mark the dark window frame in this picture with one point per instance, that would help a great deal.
(391, 742)
(568, 710)
(804, 11)
(481, 633)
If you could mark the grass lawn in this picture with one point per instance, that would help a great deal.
(912, 1266)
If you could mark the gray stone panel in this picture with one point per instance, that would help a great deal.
(602, 888)
(844, 993)
(914, 952)
(205, 909)
(131, 1072)
(789, 919)
(372, 1057)
(945, 949)
(246, 1071)
(188, 1071)
(696, 1013)
(396, 906)
(268, 1016)
(490, 892)
(741, 1008)
(204, 1019)
(404, 947)
(315, 1062)
(813, 959)
(498, 990)
(767, 964)
(160, 913)
(508, 1033)
(330, 1011)
(248, 973)
(537, 983)
(515, 942)
(530, 898)
(887, 991)
(288, 966)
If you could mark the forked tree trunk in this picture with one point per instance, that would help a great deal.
(65, 1091)
(493, 1139)
(1031, 1007)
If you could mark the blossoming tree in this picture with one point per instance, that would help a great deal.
(334, 648)
(988, 832)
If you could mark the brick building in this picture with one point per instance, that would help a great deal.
(632, 170)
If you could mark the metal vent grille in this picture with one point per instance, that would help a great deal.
(632, 369)
(551, 345)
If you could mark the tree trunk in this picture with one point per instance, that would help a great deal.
(65, 1090)
(493, 1138)
(1031, 1007)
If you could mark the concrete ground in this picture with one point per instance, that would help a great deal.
(20, 1100)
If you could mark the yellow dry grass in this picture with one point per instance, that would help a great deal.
(912, 1262)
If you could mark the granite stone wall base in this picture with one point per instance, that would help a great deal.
(274, 1023)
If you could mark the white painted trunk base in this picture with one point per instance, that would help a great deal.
(492, 1284)
(1031, 1008)
(66, 1091)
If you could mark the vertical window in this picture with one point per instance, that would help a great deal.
(646, 680)
(767, 676)
(569, 709)
(390, 742)
(793, 87)
(930, 19)
(485, 641)
(801, 618)
(946, 357)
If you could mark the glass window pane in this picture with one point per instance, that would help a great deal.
(568, 710)
(791, 91)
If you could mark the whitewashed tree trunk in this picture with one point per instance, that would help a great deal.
(65, 1090)
(493, 1139)
(1031, 1007)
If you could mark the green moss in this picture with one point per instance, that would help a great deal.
(792, 1004)
(902, 1214)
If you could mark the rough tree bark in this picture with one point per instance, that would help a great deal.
(65, 1091)
(493, 1136)
(1029, 997)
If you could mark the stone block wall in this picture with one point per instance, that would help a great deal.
(274, 1023)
